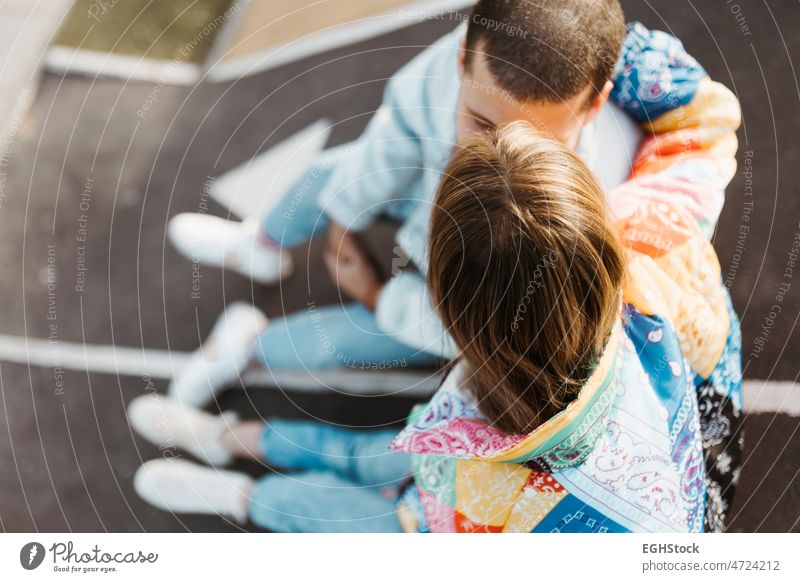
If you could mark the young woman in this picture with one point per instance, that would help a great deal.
(468, 81)
(571, 406)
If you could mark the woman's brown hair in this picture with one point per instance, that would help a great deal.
(525, 271)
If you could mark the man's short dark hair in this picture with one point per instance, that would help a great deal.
(547, 49)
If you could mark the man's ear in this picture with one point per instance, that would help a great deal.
(462, 57)
(598, 102)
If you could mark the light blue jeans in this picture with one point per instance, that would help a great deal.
(333, 335)
(343, 480)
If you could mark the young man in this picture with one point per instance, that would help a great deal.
(553, 72)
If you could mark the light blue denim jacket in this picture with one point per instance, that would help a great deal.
(394, 169)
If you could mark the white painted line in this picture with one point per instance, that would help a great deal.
(349, 381)
(331, 38)
(103, 359)
(67, 60)
(760, 396)
(763, 396)
(162, 365)
(251, 189)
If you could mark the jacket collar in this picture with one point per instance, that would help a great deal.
(451, 424)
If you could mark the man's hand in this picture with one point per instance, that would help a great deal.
(351, 267)
(335, 235)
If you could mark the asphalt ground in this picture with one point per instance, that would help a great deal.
(89, 183)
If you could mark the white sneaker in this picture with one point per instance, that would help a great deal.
(180, 486)
(221, 359)
(167, 424)
(216, 242)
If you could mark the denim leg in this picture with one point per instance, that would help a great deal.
(339, 486)
(297, 218)
(333, 336)
(320, 501)
(360, 456)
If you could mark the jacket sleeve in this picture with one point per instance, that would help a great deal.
(380, 166)
(387, 159)
(654, 74)
(688, 156)
(666, 212)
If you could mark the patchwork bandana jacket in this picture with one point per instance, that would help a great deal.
(627, 454)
